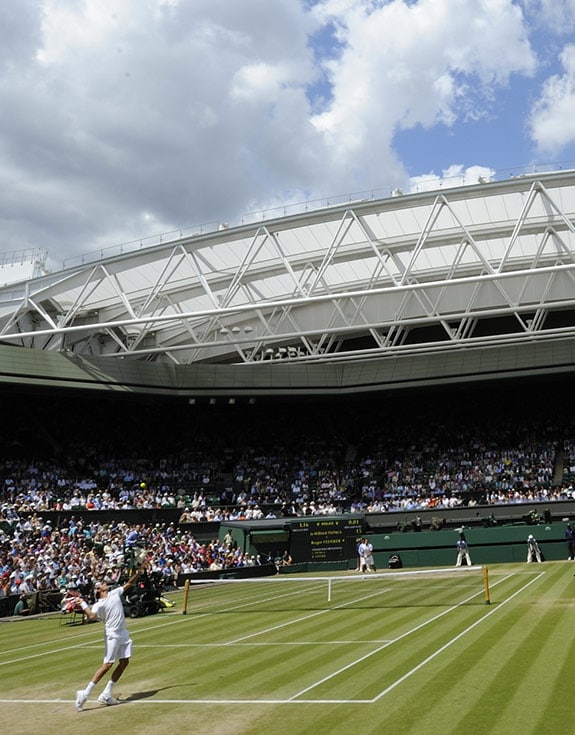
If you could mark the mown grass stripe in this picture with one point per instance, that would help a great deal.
(247, 687)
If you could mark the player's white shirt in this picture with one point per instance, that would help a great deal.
(365, 550)
(110, 610)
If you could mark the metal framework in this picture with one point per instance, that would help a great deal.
(475, 266)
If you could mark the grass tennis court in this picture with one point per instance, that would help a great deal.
(394, 654)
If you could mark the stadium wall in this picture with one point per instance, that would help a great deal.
(465, 515)
(486, 545)
(506, 543)
(34, 369)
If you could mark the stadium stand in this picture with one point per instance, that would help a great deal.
(407, 361)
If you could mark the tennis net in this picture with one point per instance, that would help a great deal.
(416, 588)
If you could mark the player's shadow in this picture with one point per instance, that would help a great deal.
(147, 694)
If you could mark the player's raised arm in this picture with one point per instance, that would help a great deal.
(143, 566)
(87, 610)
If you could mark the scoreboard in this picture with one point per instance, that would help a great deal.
(325, 539)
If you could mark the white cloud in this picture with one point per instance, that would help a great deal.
(557, 15)
(417, 64)
(120, 107)
(124, 115)
(553, 117)
(454, 175)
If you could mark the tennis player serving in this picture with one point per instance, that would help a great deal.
(118, 645)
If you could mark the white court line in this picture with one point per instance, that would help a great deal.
(96, 635)
(267, 644)
(292, 699)
(455, 639)
(305, 617)
(226, 702)
(385, 645)
(45, 653)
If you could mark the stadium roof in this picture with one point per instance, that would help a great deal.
(372, 292)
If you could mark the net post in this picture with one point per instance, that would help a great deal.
(329, 589)
(186, 593)
(486, 585)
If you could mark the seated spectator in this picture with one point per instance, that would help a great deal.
(21, 607)
(71, 600)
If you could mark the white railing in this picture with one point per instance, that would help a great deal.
(309, 205)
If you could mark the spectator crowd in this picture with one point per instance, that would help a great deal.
(288, 462)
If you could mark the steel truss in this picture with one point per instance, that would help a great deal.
(484, 265)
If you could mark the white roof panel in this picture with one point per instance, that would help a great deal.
(314, 282)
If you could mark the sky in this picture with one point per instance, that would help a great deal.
(124, 119)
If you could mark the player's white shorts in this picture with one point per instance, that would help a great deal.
(117, 647)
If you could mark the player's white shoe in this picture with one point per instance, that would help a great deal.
(80, 699)
(108, 701)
